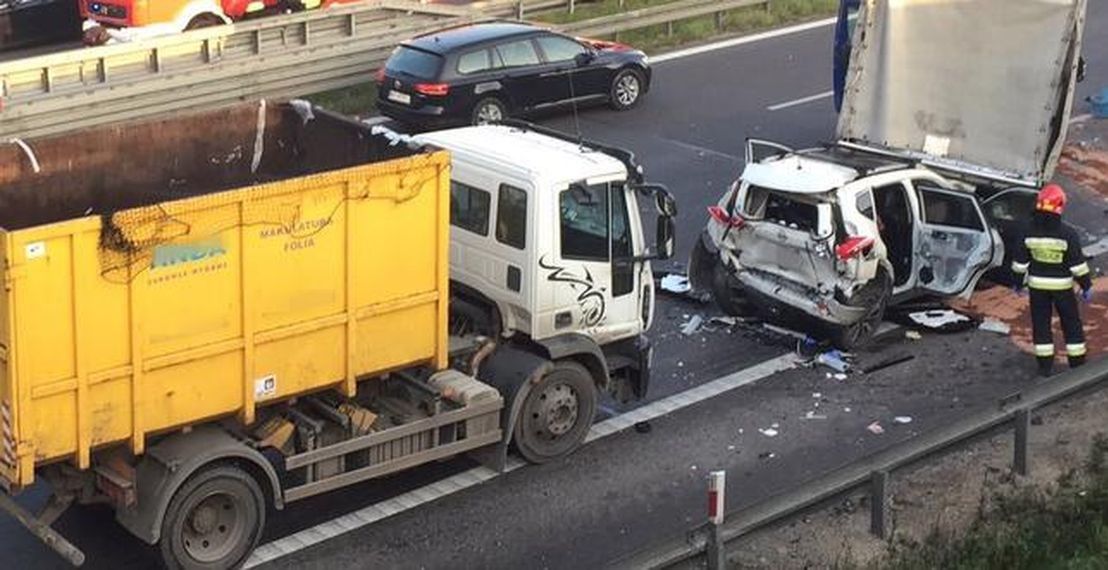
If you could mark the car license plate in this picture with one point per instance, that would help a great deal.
(400, 97)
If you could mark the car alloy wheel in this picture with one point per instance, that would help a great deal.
(488, 111)
(626, 89)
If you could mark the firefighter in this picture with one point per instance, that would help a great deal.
(1049, 261)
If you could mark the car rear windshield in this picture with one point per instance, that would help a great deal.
(414, 63)
(791, 210)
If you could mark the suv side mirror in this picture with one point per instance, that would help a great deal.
(584, 58)
(664, 239)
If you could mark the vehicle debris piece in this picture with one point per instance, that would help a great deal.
(768, 432)
(892, 361)
(834, 360)
(903, 419)
(839, 376)
(994, 326)
(942, 320)
(812, 415)
(692, 325)
(767, 455)
(676, 283)
(875, 428)
(912, 335)
(785, 331)
(643, 427)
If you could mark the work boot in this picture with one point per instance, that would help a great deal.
(1046, 365)
(1076, 361)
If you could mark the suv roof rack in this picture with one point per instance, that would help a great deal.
(634, 169)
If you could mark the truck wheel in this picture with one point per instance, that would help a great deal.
(875, 296)
(557, 413)
(204, 21)
(214, 520)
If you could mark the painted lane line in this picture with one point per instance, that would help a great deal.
(669, 56)
(800, 101)
(417, 497)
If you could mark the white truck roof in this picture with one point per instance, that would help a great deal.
(530, 154)
(983, 86)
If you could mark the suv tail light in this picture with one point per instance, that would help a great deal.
(718, 214)
(434, 89)
(853, 246)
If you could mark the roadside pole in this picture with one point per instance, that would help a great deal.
(717, 554)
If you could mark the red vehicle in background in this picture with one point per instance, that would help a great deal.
(126, 20)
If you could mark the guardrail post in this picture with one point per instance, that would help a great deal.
(719, 21)
(519, 10)
(714, 549)
(879, 481)
(1023, 426)
(669, 29)
(572, 6)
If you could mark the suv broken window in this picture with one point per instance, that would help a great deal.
(782, 208)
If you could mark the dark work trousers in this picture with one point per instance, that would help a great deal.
(1043, 304)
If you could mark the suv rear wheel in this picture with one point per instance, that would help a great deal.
(489, 110)
(875, 297)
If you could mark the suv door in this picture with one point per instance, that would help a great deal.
(955, 246)
(523, 73)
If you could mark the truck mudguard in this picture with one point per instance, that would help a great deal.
(167, 465)
(582, 348)
(512, 371)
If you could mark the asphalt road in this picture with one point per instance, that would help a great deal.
(623, 492)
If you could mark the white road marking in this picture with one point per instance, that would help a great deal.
(800, 101)
(412, 499)
(669, 56)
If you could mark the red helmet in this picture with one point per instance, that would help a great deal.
(1051, 199)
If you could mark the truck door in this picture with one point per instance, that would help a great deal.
(954, 244)
(594, 295)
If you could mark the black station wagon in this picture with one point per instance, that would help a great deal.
(483, 73)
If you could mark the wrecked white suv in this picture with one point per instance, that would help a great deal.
(836, 233)
(936, 149)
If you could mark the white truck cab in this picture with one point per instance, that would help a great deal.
(549, 255)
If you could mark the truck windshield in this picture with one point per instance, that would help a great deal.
(414, 63)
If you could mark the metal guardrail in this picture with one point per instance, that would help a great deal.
(874, 470)
(279, 57)
(276, 57)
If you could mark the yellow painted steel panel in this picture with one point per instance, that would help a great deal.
(218, 302)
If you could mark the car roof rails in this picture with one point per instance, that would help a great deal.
(634, 169)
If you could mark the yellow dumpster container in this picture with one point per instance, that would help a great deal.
(158, 275)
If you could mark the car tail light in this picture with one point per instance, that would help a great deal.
(379, 76)
(720, 215)
(853, 246)
(434, 89)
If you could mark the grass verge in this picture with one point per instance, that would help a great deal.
(1065, 527)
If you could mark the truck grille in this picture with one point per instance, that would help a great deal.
(7, 434)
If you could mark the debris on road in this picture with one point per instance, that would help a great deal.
(995, 326)
(812, 415)
(912, 335)
(875, 428)
(767, 455)
(768, 432)
(839, 376)
(941, 320)
(643, 427)
(692, 325)
(785, 331)
(834, 360)
(888, 362)
(817, 395)
(903, 419)
(676, 283)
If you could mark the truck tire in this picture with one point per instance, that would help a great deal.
(204, 21)
(557, 413)
(875, 295)
(214, 520)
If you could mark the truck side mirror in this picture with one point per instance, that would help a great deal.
(664, 240)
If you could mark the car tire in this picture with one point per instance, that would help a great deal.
(626, 90)
(875, 295)
(488, 110)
